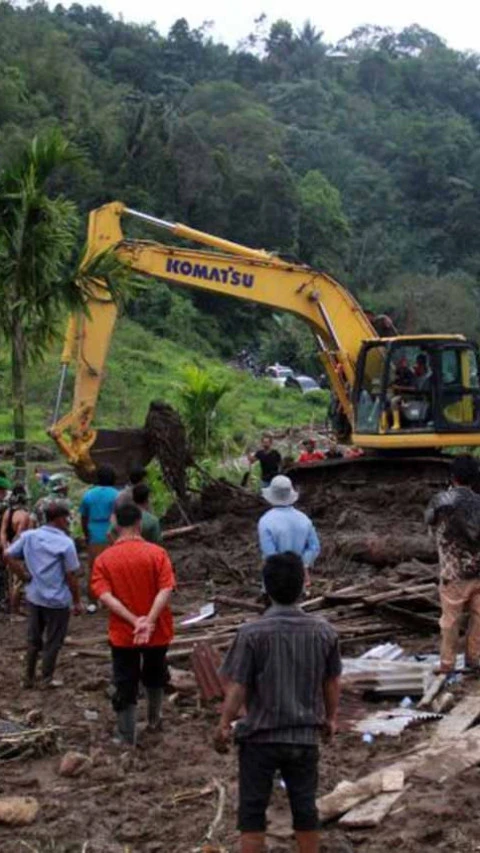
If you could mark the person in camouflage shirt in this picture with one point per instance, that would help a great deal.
(57, 489)
(454, 515)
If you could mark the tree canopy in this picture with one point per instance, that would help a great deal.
(362, 158)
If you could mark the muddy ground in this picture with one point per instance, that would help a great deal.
(140, 801)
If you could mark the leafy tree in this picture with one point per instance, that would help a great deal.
(38, 233)
(421, 304)
(323, 226)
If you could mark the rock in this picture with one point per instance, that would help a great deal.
(34, 717)
(18, 811)
(90, 715)
(73, 763)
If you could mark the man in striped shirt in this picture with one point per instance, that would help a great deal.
(285, 669)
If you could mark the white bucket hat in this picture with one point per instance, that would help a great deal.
(280, 492)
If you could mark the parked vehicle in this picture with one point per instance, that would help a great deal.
(305, 384)
(278, 374)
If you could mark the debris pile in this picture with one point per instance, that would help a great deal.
(453, 747)
(19, 740)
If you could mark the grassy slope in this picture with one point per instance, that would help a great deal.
(142, 367)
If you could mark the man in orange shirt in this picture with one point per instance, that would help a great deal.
(134, 579)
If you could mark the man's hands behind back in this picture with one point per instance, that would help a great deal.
(142, 630)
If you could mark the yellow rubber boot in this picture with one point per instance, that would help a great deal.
(396, 419)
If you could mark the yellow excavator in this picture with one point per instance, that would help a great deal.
(395, 395)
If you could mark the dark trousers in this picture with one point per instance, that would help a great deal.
(133, 665)
(297, 764)
(46, 631)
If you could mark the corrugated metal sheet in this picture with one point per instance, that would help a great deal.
(206, 662)
(394, 722)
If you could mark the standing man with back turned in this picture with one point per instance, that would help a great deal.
(285, 669)
(284, 528)
(96, 510)
(455, 516)
(50, 571)
(134, 579)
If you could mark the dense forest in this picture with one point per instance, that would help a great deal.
(362, 158)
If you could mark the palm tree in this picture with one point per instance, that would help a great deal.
(200, 393)
(38, 235)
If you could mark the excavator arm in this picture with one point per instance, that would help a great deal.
(225, 268)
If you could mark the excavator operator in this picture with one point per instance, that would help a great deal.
(403, 383)
(416, 385)
(422, 373)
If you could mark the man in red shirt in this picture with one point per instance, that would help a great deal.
(309, 454)
(134, 579)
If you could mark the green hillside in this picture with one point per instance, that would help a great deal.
(361, 158)
(142, 367)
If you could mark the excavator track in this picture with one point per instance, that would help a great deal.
(370, 470)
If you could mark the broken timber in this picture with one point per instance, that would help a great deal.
(370, 813)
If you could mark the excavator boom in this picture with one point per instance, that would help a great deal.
(345, 336)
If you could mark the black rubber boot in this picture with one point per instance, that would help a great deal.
(127, 724)
(30, 667)
(154, 708)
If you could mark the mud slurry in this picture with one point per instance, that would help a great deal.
(134, 801)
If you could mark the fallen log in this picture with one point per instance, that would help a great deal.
(385, 550)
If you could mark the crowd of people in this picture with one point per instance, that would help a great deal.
(282, 673)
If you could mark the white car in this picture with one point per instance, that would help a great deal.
(278, 374)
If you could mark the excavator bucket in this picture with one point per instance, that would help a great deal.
(163, 437)
(123, 449)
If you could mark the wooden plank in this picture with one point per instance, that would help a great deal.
(370, 813)
(451, 761)
(173, 532)
(461, 718)
(312, 603)
(400, 594)
(242, 603)
(410, 617)
(350, 794)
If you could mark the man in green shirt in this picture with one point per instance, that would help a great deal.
(150, 528)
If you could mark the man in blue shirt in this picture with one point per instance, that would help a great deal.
(49, 567)
(96, 511)
(284, 528)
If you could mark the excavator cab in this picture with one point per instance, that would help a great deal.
(411, 389)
